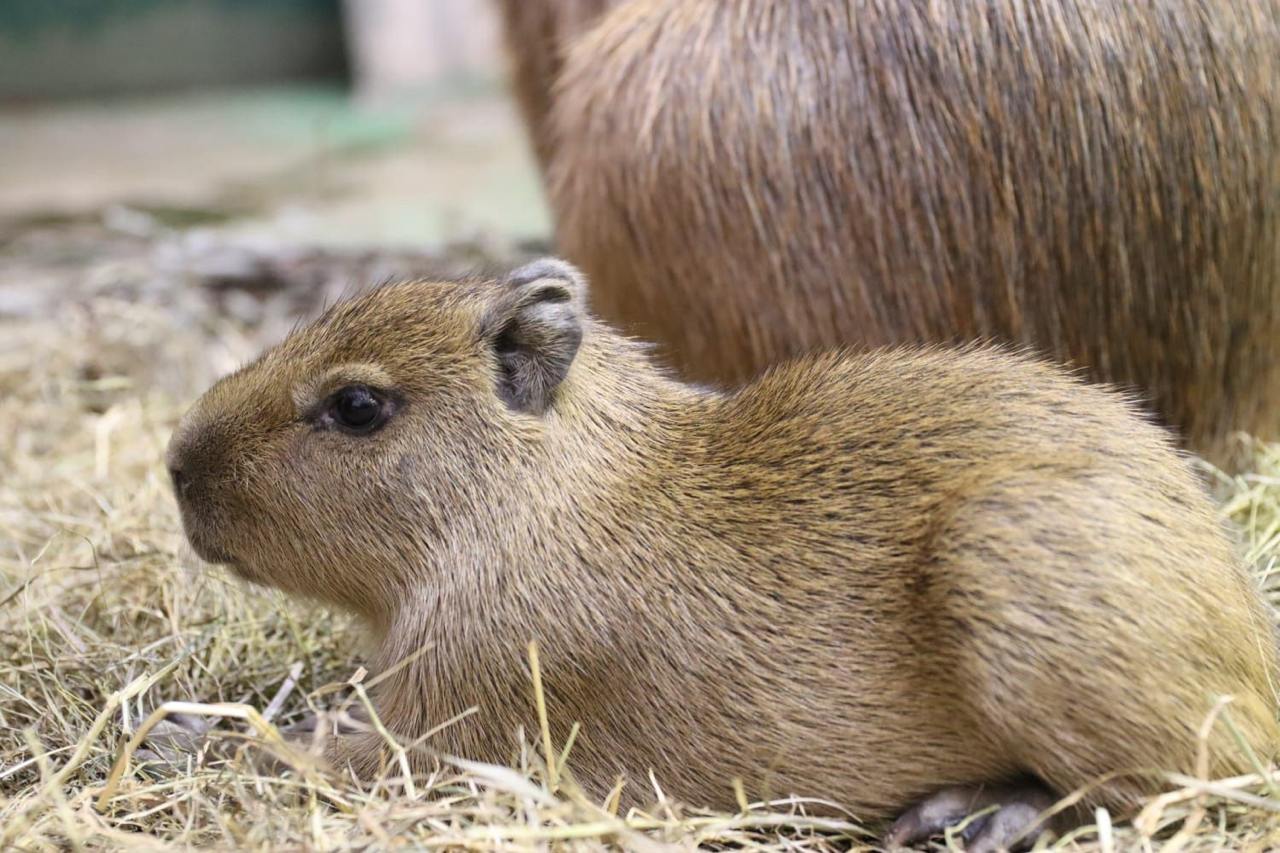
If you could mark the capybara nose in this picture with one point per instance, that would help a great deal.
(180, 481)
(186, 456)
(176, 465)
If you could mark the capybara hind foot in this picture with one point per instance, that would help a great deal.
(1011, 818)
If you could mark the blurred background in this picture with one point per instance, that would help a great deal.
(236, 139)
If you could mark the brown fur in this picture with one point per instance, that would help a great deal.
(748, 181)
(862, 577)
(536, 35)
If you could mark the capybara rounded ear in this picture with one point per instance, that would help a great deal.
(534, 329)
(552, 272)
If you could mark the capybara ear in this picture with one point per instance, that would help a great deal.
(535, 329)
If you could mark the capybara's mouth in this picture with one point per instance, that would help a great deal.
(214, 555)
(205, 549)
(202, 536)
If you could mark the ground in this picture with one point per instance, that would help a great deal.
(147, 248)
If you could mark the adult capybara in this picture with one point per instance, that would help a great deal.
(744, 181)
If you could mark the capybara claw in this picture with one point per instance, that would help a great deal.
(1001, 817)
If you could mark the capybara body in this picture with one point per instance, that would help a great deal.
(861, 577)
(748, 181)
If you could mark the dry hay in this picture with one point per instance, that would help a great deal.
(104, 615)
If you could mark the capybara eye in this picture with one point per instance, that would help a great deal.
(357, 409)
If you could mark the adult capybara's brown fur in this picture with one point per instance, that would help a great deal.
(1101, 180)
(861, 577)
(536, 33)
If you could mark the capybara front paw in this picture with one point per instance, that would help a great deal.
(173, 741)
(1012, 816)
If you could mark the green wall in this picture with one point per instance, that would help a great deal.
(87, 48)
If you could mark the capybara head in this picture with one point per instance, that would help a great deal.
(387, 426)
